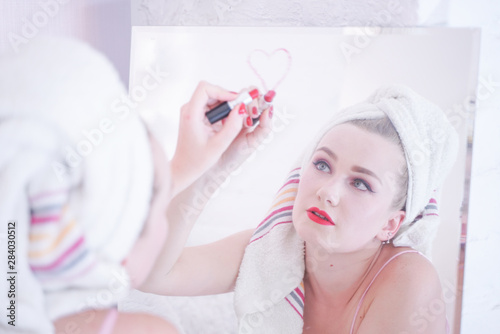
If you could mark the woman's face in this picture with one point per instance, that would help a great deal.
(345, 197)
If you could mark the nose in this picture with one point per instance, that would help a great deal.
(329, 193)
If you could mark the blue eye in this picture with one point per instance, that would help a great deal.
(322, 166)
(362, 185)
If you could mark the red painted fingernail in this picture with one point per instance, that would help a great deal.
(242, 109)
(270, 96)
(249, 121)
(254, 111)
(271, 112)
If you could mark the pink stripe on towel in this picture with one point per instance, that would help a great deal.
(288, 222)
(301, 295)
(289, 182)
(46, 219)
(275, 212)
(286, 298)
(61, 258)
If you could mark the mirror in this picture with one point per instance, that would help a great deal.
(323, 70)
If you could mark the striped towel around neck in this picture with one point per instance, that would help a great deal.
(269, 296)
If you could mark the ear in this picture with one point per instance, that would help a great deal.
(392, 226)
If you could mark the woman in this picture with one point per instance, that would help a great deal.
(338, 251)
(88, 187)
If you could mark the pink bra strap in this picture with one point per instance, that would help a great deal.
(373, 279)
(109, 322)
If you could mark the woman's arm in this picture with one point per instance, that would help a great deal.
(407, 299)
(182, 214)
(202, 270)
(188, 203)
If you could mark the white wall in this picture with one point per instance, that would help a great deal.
(481, 298)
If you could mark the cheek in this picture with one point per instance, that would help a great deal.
(308, 185)
(303, 200)
(371, 215)
(299, 204)
(364, 209)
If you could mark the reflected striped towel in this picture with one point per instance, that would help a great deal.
(428, 221)
(270, 276)
(296, 299)
(281, 210)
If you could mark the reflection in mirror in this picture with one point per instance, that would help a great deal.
(315, 72)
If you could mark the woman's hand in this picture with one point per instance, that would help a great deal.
(248, 140)
(201, 145)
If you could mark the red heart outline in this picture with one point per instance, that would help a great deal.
(270, 55)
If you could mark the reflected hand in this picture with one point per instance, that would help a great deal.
(250, 137)
(200, 145)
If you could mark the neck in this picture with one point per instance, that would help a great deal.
(335, 278)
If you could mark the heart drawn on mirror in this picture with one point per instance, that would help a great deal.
(271, 68)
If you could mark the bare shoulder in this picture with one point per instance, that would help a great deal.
(408, 286)
(409, 271)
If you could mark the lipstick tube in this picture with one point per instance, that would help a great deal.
(222, 110)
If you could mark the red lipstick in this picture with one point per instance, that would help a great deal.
(319, 216)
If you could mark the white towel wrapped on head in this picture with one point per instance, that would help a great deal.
(76, 175)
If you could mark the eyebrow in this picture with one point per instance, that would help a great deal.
(365, 171)
(357, 169)
(329, 152)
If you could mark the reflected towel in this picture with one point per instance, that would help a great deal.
(268, 293)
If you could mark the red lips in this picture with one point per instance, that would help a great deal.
(319, 216)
